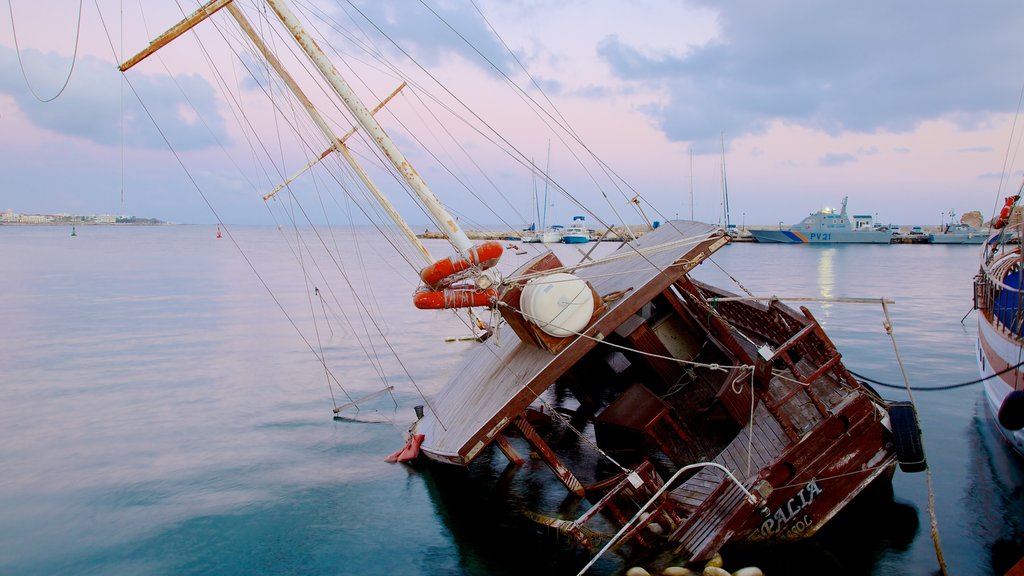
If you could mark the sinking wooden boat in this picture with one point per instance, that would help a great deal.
(689, 418)
(667, 374)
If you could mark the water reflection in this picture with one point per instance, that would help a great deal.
(826, 280)
(830, 552)
(992, 496)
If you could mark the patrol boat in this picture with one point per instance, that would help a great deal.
(829, 226)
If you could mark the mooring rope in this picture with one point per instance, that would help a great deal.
(583, 436)
(937, 388)
(887, 324)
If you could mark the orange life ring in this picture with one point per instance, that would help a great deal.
(462, 296)
(443, 272)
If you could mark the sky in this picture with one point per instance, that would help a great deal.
(908, 108)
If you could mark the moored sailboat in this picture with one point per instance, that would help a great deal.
(999, 299)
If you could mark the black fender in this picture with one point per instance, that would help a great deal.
(906, 437)
(1011, 411)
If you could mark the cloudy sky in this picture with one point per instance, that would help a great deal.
(908, 108)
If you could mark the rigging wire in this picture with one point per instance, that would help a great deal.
(518, 156)
(209, 205)
(562, 121)
(227, 230)
(1006, 157)
(377, 326)
(381, 161)
(376, 53)
(74, 56)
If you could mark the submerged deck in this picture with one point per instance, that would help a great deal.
(503, 376)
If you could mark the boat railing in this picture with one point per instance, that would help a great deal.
(747, 495)
(1001, 302)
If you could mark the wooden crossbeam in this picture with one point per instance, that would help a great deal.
(549, 457)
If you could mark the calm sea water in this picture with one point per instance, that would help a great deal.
(163, 411)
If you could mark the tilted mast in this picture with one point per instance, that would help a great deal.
(316, 55)
(338, 143)
(363, 116)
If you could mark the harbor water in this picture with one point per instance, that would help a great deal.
(163, 409)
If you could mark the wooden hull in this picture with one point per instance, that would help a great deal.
(660, 384)
(818, 477)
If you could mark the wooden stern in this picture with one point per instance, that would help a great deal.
(501, 377)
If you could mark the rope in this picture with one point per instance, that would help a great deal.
(711, 366)
(637, 252)
(17, 50)
(887, 323)
(833, 477)
(938, 388)
(582, 436)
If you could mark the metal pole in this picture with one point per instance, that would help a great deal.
(316, 55)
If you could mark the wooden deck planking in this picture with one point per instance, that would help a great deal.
(768, 444)
(800, 408)
(700, 532)
(503, 376)
(460, 408)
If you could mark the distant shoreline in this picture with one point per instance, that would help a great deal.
(80, 223)
(12, 218)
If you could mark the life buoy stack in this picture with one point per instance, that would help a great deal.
(440, 291)
(449, 270)
(1004, 214)
(459, 296)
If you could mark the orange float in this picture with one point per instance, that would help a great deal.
(408, 452)
(1004, 214)
(462, 296)
(444, 272)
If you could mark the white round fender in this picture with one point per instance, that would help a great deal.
(560, 304)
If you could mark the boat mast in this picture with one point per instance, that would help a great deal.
(316, 55)
(691, 182)
(337, 143)
(547, 176)
(725, 188)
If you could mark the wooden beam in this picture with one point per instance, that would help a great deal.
(548, 456)
(509, 452)
(202, 13)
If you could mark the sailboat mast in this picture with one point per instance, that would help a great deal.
(316, 55)
(691, 182)
(547, 176)
(338, 143)
(725, 188)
